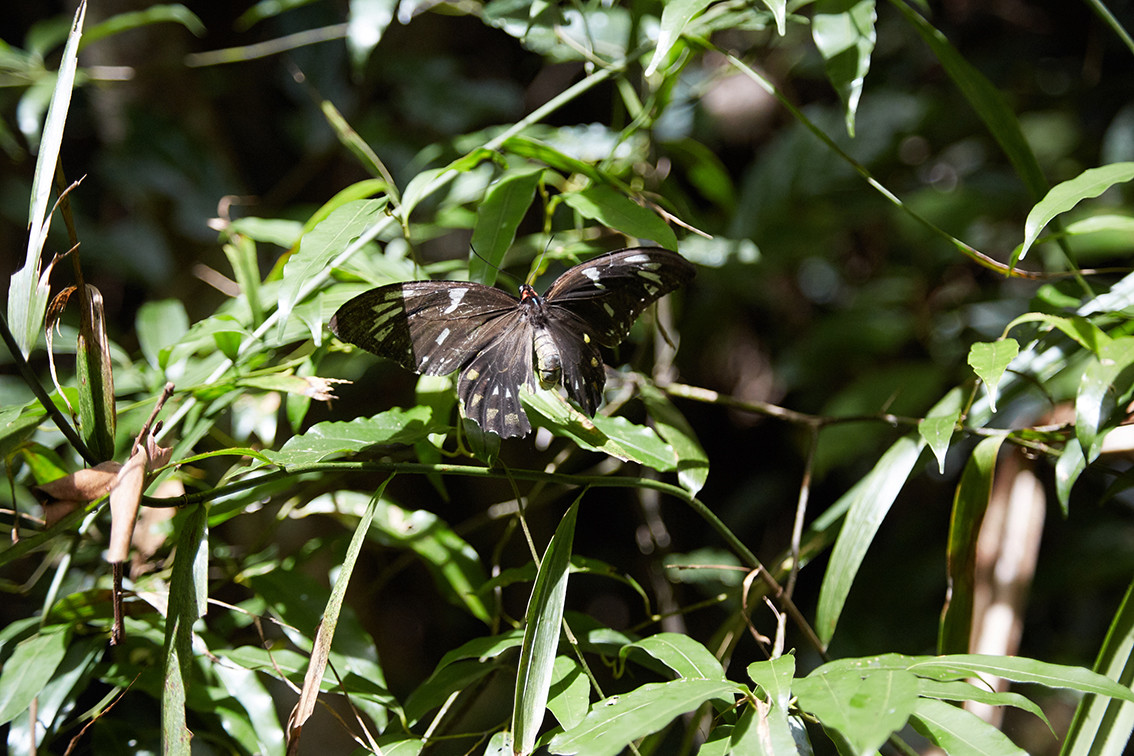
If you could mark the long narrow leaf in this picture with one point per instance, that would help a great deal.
(1102, 725)
(870, 501)
(541, 634)
(27, 290)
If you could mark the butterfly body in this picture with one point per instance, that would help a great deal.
(500, 343)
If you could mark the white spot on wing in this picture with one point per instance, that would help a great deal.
(442, 336)
(637, 259)
(455, 297)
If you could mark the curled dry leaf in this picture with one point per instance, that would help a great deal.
(61, 496)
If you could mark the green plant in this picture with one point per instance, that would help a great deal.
(252, 598)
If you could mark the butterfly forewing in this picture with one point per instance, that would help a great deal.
(609, 292)
(431, 327)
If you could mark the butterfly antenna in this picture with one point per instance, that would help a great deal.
(490, 264)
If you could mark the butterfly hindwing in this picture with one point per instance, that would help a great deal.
(609, 292)
(489, 384)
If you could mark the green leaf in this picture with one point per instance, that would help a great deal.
(160, 324)
(671, 425)
(569, 694)
(779, 12)
(1083, 331)
(1018, 669)
(969, 505)
(617, 211)
(676, 15)
(937, 430)
(1103, 725)
(868, 503)
(686, 657)
(989, 360)
(1105, 386)
(188, 590)
(763, 730)
(323, 244)
(959, 732)
(155, 14)
(29, 668)
(332, 439)
(497, 218)
(618, 720)
(843, 31)
(959, 690)
(1072, 462)
(775, 678)
(28, 290)
(615, 436)
(1064, 196)
(864, 706)
(541, 634)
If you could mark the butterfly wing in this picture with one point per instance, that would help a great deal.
(436, 327)
(432, 327)
(608, 293)
(584, 374)
(489, 386)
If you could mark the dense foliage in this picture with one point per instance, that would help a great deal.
(868, 466)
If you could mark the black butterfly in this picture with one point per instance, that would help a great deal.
(499, 342)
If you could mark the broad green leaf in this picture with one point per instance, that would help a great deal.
(685, 656)
(985, 99)
(447, 680)
(281, 232)
(671, 425)
(28, 289)
(534, 149)
(569, 694)
(1018, 669)
(763, 730)
(775, 678)
(28, 669)
(865, 706)
(1066, 195)
(1102, 725)
(1105, 386)
(1072, 462)
(969, 504)
(937, 430)
(541, 634)
(868, 503)
(323, 244)
(843, 31)
(245, 687)
(619, 720)
(989, 360)
(959, 690)
(497, 218)
(327, 439)
(160, 324)
(676, 15)
(1087, 334)
(959, 732)
(615, 436)
(617, 211)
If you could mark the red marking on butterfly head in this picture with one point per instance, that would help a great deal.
(527, 292)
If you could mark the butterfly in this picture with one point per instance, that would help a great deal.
(500, 343)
